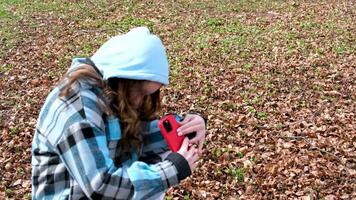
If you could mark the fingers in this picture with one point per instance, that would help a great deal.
(191, 119)
(200, 148)
(193, 154)
(187, 125)
(187, 119)
(199, 141)
(193, 166)
(196, 139)
(194, 159)
(192, 151)
(191, 123)
(196, 155)
(189, 129)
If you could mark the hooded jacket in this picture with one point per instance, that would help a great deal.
(75, 150)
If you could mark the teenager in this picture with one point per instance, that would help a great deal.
(97, 135)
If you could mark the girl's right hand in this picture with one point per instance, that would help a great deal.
(189, 153)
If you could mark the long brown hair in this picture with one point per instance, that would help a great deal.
(123, 98)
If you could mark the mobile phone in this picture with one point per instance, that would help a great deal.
(168, 126)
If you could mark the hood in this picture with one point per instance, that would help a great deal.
(137, 55)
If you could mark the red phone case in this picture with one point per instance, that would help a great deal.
(173, 140)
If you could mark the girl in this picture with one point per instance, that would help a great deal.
(96, 137)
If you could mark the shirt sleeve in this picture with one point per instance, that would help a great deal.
(84, 152)
(154, 143)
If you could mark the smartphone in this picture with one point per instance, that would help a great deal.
(168, 126)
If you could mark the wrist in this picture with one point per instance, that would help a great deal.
(181, 165)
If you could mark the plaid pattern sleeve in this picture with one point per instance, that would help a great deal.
(83, 149)
(71, 158)
(153, 143)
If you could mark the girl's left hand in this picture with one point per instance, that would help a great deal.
(194, 123)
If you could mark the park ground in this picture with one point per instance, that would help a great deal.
(276, 80)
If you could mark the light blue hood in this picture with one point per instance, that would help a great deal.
(137, 55)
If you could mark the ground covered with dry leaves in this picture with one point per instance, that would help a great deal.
(275, 78)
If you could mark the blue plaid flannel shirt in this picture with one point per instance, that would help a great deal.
(75, 154)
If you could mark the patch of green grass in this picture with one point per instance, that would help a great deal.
(208, 88)
(328, 98)
(74, 11)
(87, 49)
(186, 197)
(202, 42)
(247, 67)
(5, 68)
(253, 159)
(318, 88)
(14, 130)
(240, 154)
(320, 51)
(234, 35)
(238, 173)
(250, 109)
(9, 36)
(229, 106)
(168, 198)
(215, 23)
(54, 6)
(309, 25)
(302, 103)
(9, 192)
(249, 5)
(218, 172)
(261, 115)
(242, 134)
(256, 100)
(339, 49)
(239, 35)
(218, 152)
(27, 196)
(126, 23)
(279, 126)
(20, 170)
(5, 5)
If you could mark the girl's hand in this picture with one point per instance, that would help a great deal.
(194, 123)
(189, 153)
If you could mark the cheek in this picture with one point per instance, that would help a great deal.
(151, 88)
(151, 91)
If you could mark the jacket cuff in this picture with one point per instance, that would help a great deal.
(181, 164)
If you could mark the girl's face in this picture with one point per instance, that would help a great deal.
(150, 87)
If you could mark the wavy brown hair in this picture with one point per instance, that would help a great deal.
(123, 98)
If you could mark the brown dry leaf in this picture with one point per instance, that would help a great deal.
(17, 182)
(330, 197)
(305, 198)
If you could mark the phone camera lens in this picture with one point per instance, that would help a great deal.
(167, 126)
